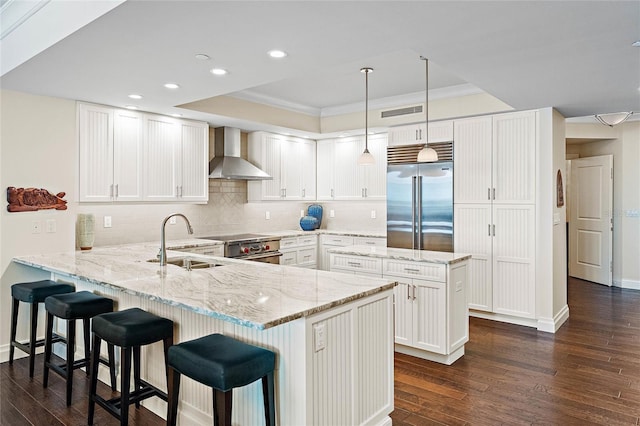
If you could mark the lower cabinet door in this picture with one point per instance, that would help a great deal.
(403, 311)
(289, 257)
(430, 316)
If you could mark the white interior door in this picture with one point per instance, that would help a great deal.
(591, 223)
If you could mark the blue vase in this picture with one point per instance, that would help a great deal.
(308, 223)
(315, 210)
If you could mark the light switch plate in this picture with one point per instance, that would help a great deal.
(319, 336)
(51, 225)
(332, 213)
(373, 214)
(107, 222)
(267, 215)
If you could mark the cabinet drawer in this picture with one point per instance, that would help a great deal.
(426, 271)
(370, 265)
(307, 256)
(289, 258)
(288, 242)
(307, 240)
(370, 241)
(337, 240)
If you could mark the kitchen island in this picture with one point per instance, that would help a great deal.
(332, 333)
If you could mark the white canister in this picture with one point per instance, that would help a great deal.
(84, 231)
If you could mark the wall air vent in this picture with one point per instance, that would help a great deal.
(401, 111)
(404, 154)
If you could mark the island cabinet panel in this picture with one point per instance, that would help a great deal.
(300, 251)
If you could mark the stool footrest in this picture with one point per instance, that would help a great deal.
(62, 368)
(146, 391)
(26, 346)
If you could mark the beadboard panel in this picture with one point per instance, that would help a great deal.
(472, 153)
(96, 153)
(430, 327)
(429, 271)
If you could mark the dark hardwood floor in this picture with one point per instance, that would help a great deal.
(586, 373)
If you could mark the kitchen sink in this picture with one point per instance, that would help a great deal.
(188, 263)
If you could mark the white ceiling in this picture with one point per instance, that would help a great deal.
(572, 55)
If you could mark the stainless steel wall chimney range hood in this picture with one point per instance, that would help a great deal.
(227, 163)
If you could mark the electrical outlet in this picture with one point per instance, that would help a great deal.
(319, 336)
(373, 214)
(107, 222)
(51, 225)
(267, 215)
(301, 213)
(332, 213)
(36, 227)
(172, 220)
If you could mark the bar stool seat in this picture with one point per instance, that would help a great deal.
(73, 306)
(222, 363)
(34, 293)
(129, 329)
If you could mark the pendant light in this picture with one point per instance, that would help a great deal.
(426, 154)
(366, 159)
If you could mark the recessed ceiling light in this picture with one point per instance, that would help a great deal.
(218, 71)
(131, 107)
(171, 86)
(135, 96)
(202, 56)
(277, 54)
(636, 43)
(176, 115)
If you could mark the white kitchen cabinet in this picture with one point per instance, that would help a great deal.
(370, 241)
(439, 131)
(327, 242)
(110, 146)
(291, 162)
(431, 313)
(209, 250)
(495, 158)
(176, 160)
(300, 251)
(341, 178)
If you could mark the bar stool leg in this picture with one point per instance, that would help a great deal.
(136, 372)
(167, 343)
(14, 327)
(173, 391)
(112, 365)
(71, 349)
(48, 346)
(125, 382)
(32, 338)
(93, 377)
(222, 403)
(87, 344)
(269, 399)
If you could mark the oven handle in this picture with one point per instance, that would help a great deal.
(261, 255)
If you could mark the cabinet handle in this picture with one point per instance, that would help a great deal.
(111, 191)
(370, 243)
(332, 193)
(303, 192)
(412, 270)
(488, 193)
(414, 292)
(489, 229)
(416, 134)
(285, 193)
(116, 190)
(420, 134)
(354, 264)
(408, 293)
(494, 193)
(493, 227)
(366, 193)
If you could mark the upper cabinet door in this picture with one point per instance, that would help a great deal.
(407, 135)
(348, 180)
(308, 161)
(127, 156)
(162, 151)
(194, 164)
(514, 157)
(472, 155)
(325, 169)
(375, 176)
(95, 133)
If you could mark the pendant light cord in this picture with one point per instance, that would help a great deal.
(426, 98)
(366, 110)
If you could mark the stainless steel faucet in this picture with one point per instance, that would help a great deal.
(162, 255)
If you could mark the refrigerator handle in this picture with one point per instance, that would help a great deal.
(419, 208)
(413, 210)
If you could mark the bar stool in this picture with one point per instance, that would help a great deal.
(222, 363)
(33, 293)
(129, 329)
(74, 306)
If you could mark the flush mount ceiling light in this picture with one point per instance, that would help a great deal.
(613, 118)
(135, 96)
(202, 57)
(366, 159)
(131, 107)
(636, 43)
(277, 54)
(426, 154)
(176, 115)
(171, 85)
(218, 71)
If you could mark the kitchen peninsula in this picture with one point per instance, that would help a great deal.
(333, 333)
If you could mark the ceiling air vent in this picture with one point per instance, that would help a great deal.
(409, 153)
(401, 111)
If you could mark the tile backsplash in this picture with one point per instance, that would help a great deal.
(226, 212)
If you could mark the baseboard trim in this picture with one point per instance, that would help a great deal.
(552, 325)
(527, 322)
(628, 284)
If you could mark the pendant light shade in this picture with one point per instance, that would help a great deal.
(426, 154)
(366, 159)
(613, 118)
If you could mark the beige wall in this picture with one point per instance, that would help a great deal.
(623, 142)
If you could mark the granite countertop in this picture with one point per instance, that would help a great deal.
(297, 232)
(251, 294)
(403, 254)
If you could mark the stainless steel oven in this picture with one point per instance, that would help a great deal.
(254, 247)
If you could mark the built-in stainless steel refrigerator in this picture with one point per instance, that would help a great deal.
(420, 206)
